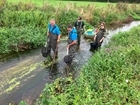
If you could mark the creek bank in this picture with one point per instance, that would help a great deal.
(121, 22)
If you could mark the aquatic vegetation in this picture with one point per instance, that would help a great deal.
(13, 78)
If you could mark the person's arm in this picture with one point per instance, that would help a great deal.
(74, 38)
(58, 33)
(96, 32)
(103, 38)
(73, 42)
(48, 30)
(58, 39)
(95, 37)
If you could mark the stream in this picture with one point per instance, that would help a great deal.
(24, 75)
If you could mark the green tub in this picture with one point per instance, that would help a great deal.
(90, 33)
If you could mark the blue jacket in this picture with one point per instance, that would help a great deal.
(73, 34)
(56, 29)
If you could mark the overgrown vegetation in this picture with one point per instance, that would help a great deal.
(23, 25)
(111, 77)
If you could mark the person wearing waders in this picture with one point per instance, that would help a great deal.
(79, 25)
(99, 37)
(72, 41)
(53, 38)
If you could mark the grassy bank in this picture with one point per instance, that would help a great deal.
(23, 25)
(111, 77)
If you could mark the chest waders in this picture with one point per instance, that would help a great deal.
(72, 48)
(100, 35)
(52, 43)
(79, 32)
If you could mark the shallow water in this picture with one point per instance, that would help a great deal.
(24, 75)
(114, 30)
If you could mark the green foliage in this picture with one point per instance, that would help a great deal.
(22, 103)
(13, 38)
(24, 24)
(111, 77)
(65, 18)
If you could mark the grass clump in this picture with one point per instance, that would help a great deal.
(111, 77)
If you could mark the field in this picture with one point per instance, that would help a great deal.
(57, 2)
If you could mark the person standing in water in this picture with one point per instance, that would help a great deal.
(72, 43)
(99, 37)
(53, 37)
(80, 27)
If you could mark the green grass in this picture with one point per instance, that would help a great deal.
(57, 2)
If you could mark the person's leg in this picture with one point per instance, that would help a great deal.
(80, 33)
(49, 46)
(78, 39)
(72, 50)
(55, 52)
(55, 49)
(49, 49)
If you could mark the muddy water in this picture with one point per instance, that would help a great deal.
(24, 75)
